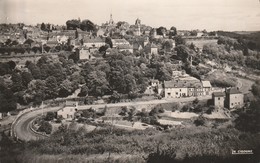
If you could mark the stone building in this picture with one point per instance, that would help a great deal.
(234, 98)
(218, 99)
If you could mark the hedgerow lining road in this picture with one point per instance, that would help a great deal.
(24, 133)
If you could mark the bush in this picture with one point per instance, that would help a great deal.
(185, 108)
(50, 116)
(59, 119)
(200, 121)
(45, 127)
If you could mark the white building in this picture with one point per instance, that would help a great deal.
(207, 88)
(68, 112)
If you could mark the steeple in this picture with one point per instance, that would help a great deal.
(111, 21)
(138, 24)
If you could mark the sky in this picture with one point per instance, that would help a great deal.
(228, 15)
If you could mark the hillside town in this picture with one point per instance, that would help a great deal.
(127, 89)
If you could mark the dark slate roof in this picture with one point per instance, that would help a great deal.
(218, 94)
(93, 39)
(50, 42)
(125, 46)
(182, 84)
(233, 91)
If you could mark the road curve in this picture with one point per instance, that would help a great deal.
(24, 133)
(22, 126)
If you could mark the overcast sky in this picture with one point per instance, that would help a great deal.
(231, 15)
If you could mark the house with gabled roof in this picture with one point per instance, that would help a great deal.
(175, 89)
(93, 42)
(207, 88)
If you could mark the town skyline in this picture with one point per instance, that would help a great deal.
(234, 15)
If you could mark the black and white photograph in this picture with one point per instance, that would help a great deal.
(129, 81)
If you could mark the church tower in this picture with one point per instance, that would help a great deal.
(138, 24)
(111, 21)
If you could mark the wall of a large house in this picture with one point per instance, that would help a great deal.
(219, 102)
(176, 92)
(235, 100)
(67, 113)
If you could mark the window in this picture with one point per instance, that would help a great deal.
(176, 93)
(219, 98)
(169, 94)
(180, 90)
(232, 104)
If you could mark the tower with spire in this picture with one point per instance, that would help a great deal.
(111, 21)
(138, 24)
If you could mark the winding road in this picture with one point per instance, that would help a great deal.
(23, 131)
(22, 126)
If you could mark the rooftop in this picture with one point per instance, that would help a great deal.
(206, 83)
(114, 41)
(233, 91)
(125, 46)
(218, 94)
(182, 84)
(93, 40)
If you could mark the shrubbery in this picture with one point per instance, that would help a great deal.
(45, 127)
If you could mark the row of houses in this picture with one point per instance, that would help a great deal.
(89, 45)
(183, 85)
(186, 88)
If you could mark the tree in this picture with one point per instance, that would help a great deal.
(26, 78)
(36, 91)
(115, 97)
(73, 24)
(5, 69)
(87, 25)
(249, 121)
(193, 33)
(183, 52)
(7, 99)
(28, 42)
(97, 83)
(167, 45)
(161, 31)
(52, 88)
(256, 89)
(17, 82)
(43, 27)
(173, 32)
(50, 116)
(200, 121)
(11, 64)
(179, 40)
(35, 70)
(83, 91)
(108, 41)
(66, 88)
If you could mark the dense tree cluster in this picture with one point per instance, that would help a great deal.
(232, 51)
(85, 25)
(46, 79)
(249, 120)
